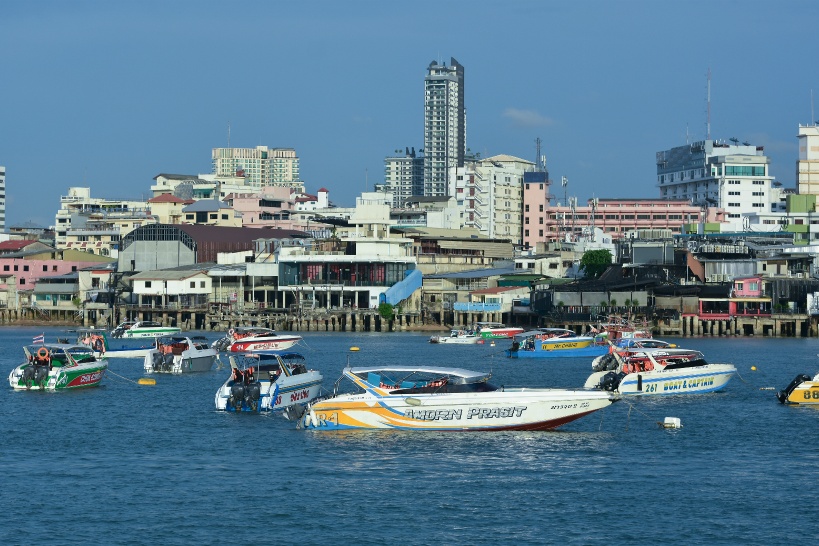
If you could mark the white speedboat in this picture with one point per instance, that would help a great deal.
(608, 361)
(268, 381)
(431, 398)
(660, 371)
(249, 339)
(458, 337)
(56, 367)
(180, 354)
(143, 328)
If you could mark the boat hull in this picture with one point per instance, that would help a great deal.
(200, 361)
(60, 378)
(284, 393)
(560, 349)
(139, 333)
(456, 340)
(263, 344)
(510, 409)
(695, 380)
(806, 393)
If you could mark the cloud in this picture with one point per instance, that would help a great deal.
(527, 118)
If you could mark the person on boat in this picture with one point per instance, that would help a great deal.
(97, 344)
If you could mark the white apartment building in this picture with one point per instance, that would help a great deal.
(490, 194)
(807, 166)
(96, 224)
(711, 173)
(261, 166)
(403, 177)
(201, 186)
(2, 199)
(444, 125)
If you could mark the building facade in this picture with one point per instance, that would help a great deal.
(260, 166)
(807, 166)
(403, 177)
(733, 177)
(444, 125)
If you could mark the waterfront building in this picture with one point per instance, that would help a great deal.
(490, 192)
(403, 177)
(536, 199)
(807, 166)
(96, 224)
(615, 217)
(733, 177)
(260, 166)
(444, 125)
(2, 199)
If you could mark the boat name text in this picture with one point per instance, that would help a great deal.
(477, 413)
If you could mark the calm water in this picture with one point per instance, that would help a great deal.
(129, 464)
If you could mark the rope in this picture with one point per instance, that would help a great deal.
(122, 377)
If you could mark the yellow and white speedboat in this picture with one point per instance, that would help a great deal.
(431, 398)
(802, 390)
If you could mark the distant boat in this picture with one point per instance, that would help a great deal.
(495, 330)
(556, 343)
(143, 328)
(180, 354)
(458, 337)
(244, 339)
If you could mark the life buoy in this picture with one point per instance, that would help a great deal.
(42, 352)
(231, 332)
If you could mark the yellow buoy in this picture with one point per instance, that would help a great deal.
(354, 349)
(753, 368)
(147, 381)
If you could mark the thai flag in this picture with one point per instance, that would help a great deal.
(39, 339)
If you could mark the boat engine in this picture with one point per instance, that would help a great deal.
(222, 344)
(784, 394)
(28, 373)
(606, 362)
(611, 381)
(237, 396)
(40, 374)
(253, 392)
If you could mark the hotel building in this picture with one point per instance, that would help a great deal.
(261, 166)
(444, 125)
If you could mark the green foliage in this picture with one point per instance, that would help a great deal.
(386, 311)
(595, 262)
(613, 303)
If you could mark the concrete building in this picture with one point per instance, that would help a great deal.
(615, 217)
(201, 186)
(444, 125)
(167, 208)
(490, 191)
(807, 166)
(733, 177)
(211, 212)
(85, 219)
(260, 166)
(403, 177)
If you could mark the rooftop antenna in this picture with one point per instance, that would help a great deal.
(228, 135)
(564, 182)
(813, 119)
(537, 151)
(708, 111)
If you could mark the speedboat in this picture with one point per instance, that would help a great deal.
(98, 341)
(660, 371)
(556, 343)
(268, 381)
(496, 330)
(432, 398)
(56, 367)
(458, 337)
(180, 354)
(246, 339)
(802, 390)
(606, 361)
(143, 328)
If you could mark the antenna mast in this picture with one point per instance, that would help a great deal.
(708, 111)
(537, 151)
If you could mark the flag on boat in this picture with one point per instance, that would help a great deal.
(39, 339)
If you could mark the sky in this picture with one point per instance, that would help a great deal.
(108, 95)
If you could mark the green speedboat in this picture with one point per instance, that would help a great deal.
(56, 367)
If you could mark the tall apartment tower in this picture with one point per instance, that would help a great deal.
(444, 125)
(807, 166)
(2, 199)
(403, 177)
(261, 166)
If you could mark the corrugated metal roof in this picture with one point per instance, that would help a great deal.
(473, 274)
(166, 275)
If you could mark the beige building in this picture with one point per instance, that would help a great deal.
(807, 166)
(260, 166)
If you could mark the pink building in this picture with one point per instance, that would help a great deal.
(543, 222)
(270, 207)
(747, 298)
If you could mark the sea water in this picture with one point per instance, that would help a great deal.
(133, 464)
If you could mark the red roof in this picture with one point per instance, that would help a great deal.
(169, 198)
(325, 190)
(12, 246)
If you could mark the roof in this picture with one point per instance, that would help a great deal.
(227, 234)
(177, 176)
(167, 275)
(504, 157)
(325, 190)
(473, 274)
(206, 205)
(168, 198)
(496, 290)
(13, 246)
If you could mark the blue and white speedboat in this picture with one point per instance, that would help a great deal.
(266, 381)
(557, 343)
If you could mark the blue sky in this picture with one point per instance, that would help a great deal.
(110, 94)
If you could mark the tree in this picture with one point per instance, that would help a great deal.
(595, 262)
(386, 311)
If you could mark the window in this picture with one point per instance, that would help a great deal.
(53, 268)
(526, 233)
(45, 268)
(73, 268)
(25, 268)
(526, 208)
(540, 220)
(147, 284)
(201, 284)
(22, 281)
(541, 208)
(193, 284)
(15, 268)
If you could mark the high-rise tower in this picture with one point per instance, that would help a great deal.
(444, 125)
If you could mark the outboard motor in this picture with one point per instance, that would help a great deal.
(253, 392)
(611, 381)
(784, 394)
(40, 374)
(237, 396)
(167, 362)
(28, 373)
(604, 363)
(156, 361)
(222, 344)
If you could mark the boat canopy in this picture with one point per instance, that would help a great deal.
(455, 375)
